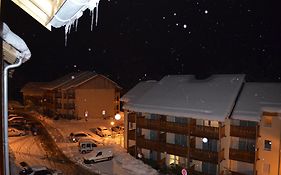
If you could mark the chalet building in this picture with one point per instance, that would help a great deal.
(33, 94)
(81, 95)
(215, 126)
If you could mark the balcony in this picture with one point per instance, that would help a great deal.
(150, 144)
(221, 155)
(205, 131)
(58, 95)
(203, 155)
(176, 150)
(148, 124)
(236, 173)
(162, 147)
(241, 155)
(173, 127)
(69, 106)
(132, 117)
(222, 131)
(243, 131)
(71, 95)
(132, 134)
(58, 105)
(162, 125)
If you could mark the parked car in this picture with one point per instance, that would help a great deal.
(17, 119)
(37, 170)
(118, 129)
(20, 126)
(86, 145)
(98, 154)
(15, 132)
(76, 136)
(103, 131)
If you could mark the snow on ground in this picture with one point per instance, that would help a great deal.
(122, 163)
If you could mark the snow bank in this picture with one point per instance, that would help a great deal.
(124, 163)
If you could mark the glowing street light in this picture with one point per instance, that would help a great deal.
(204, 140)
(112, 123)
(117, 116)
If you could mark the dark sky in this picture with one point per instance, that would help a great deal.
(141, 40)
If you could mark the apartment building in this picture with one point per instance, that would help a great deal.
(33, 94)
(81, 95)
(219, 125)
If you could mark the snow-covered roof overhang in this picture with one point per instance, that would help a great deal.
(185, 96)
(56, 13)
(257, 98)
(13, 46)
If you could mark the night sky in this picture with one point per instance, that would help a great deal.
(139, 40)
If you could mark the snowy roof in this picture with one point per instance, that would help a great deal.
(61, 81)
(257, 98)
(185, 96)
(18, 47)
(138, 91)
(74, 80)
(85, 76)
(33, 86)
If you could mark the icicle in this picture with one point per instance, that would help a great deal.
(65, 34)
(92, 21)
(97, 12)
(76, 22)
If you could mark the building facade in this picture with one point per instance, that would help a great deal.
(81, 95)
(204, 138)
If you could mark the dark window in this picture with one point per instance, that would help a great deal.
(267, 145)
(99, 154)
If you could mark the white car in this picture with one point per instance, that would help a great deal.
(37, 170)
(98, 154)
(103, 131)
(15, 132)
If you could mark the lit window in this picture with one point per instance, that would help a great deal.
(267, 145)
(174, 159)
(267, 122)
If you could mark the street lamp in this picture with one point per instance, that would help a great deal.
(117, 116)
(204, 140)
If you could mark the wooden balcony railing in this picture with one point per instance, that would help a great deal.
(132, 117)
(58, 95)
(222, 131)
(172, 127)
(162, 147)
(221, 155)
(241, 155)
(205, 131)
(132, 134)
(203, 155)
(176, 150)
(150, 144)
(147, 123)
(243, 131)
(179, 128)
(69, 106)
(236, 173)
